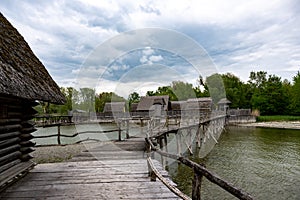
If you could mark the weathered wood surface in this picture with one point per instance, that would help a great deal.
(125, 176)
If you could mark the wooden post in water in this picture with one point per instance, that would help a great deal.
(161, 146)
(178, 141)
(58, 134)
(196, 190)
(198, 136)
(166, 149)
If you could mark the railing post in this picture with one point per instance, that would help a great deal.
(119, 131)
(58, 134)
(127, 128)
(196, 191)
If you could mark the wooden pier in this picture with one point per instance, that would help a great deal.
(117, 170)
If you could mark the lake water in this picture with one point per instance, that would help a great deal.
(263, 162)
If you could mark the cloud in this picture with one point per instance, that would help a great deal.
(155, 58)
(239, 36)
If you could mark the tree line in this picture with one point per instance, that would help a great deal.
(265, 93)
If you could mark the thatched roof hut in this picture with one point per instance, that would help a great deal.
(148, 101)
(203, 104)
(21, 73)
(23, 80)
(112, 107)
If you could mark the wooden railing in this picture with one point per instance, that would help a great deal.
(200, 170)
(59, 135)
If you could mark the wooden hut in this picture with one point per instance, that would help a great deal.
(23, 80)
(177, 107)
(114, 109)
(196, 106)
(223, 104)
(149, 104)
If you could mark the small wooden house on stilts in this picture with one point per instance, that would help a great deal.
(23, 80)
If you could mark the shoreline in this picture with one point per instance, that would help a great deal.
(274, 124)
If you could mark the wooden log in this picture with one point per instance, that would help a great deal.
(209, 175)
(9, 149)
(10, 128)
(217, 180)
(152, 175)
(166, 182)
(27, 143)
(25, 157)
(10, 157)
(196, 189)
(9, 142)
(18, 170)
(26, 150)
(10, 121)
(26, 136)
(10, 135)
(28, 130)
(28, 124)
(9, 165)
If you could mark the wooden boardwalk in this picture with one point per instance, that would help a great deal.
(112, 171)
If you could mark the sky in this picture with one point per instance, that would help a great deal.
(126, 46)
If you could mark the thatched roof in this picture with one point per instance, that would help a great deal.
(133, 107)
(111, 107)
(146, 102)
(21, 73)
(224, 101)
(198, 103)
(178, 105)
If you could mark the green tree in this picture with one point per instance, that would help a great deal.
(133, 98)
(201, 90)
(105, 97)
(87, 99)
(215, 87)
(182, 91)
(295, 95)
(236, 91)
(150, 93)
(269, 97)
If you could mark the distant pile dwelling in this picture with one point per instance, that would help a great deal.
(223, 104)
(197, 106)
(177, 107)
(114, 109)
(23, 80)
(150, 105)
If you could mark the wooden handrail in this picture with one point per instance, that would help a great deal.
(75, 134)
(202, 171)
(165, 181)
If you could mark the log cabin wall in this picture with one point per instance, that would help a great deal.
(15, 135)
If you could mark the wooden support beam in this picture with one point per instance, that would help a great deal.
(196, 189)
(178, 142)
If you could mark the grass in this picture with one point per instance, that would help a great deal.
(277, 118)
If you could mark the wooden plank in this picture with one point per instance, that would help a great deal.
(117, 174)
(14, 171)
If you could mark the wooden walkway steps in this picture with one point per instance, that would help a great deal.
(124, 176)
